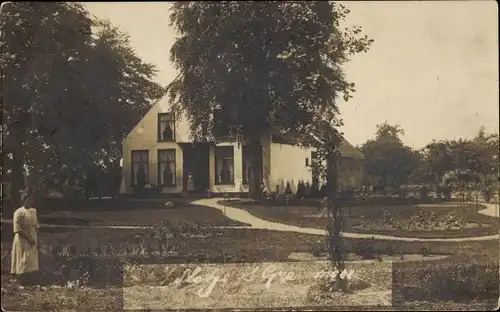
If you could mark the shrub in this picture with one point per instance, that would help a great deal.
(307, 190)
(288, 189)
(314, 189)
(301, 189)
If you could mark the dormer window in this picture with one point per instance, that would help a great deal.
(166, 127)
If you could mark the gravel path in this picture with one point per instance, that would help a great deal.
(257, 223)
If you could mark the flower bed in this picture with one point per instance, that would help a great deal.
(419, 221)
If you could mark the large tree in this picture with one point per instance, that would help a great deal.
(71, 89)
(487, 150)
(479, 158)
(388, 162)
(462, 162)
(265, 65)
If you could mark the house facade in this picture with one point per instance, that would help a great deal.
(159, 151)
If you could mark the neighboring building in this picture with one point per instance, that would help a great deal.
(159, 151)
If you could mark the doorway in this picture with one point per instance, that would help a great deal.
(196, 162)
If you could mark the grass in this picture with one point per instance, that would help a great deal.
(129, 212)
(370, 218)
(468, 279)
(416, 284)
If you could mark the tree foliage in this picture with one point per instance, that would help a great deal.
(265, 65)
(388, 162)
(71, 89)
(463, 164)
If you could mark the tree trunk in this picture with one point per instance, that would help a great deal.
(255, 164)
(17, 175)
(336, 221)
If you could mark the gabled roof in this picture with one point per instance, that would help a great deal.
(346, 148)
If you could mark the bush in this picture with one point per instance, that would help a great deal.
(307, 190)
(288, 189)
(301, 189)
(314, 189)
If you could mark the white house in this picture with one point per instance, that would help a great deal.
(159, 151)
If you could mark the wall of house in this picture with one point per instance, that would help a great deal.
(144, 136)
(350, 173)
(288, 163)
(282, 163)
(238, 186)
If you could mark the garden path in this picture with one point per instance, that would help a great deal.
(257, 223)
(491, 209)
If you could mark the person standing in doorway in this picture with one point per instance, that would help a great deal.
(24, 264)
(190, 183)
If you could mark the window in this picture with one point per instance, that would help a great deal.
(224, 165)
(140, 168)
(307, 162)
(166, 127)
(166, 167)
(247, 169)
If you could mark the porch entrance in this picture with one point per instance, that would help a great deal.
(196, 162)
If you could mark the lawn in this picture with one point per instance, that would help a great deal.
(397, 220)
(95, 258)
(129, 212)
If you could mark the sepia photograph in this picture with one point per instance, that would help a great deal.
(250, 156)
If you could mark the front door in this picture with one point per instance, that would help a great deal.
(196, 167)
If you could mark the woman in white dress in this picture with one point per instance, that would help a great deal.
(25, 245)
(190, 183)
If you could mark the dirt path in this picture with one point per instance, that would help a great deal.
(257, 223)
(491, 210)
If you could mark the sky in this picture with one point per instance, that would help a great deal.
(432, 69)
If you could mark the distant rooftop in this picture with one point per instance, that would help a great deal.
(346, 148)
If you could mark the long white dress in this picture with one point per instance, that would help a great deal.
(24, 254)
(190, 184)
